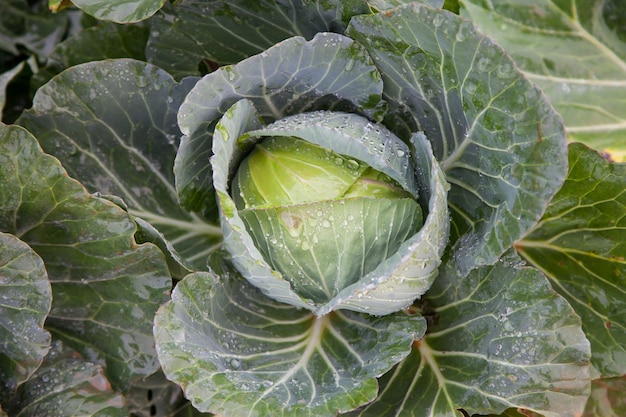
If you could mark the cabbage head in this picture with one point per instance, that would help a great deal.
(324, 209)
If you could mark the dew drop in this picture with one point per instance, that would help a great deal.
(438, 20)
(352, 164)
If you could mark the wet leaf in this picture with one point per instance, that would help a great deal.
(25, 298)
(105, 287)
(580, 246)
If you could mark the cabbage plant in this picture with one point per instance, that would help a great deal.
(318, 208)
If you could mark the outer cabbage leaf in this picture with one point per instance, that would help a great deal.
(190, 33)
(25, 299)
(67, 385)
(120, 11)
(394, 283)
(22, 25)
(487, 349)
(608, 398)
(106, 288)
(235, 351)
(113, 125)
(330, 72)
(104, 41)
(499, 142)
(575, 51)
(579, 244)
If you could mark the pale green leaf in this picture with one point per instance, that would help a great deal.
(580, 245)
(105, 287)
(498, 140)
(25, 298)
(575, 51)
(236, 352)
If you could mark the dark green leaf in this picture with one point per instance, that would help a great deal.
(105, 287)
(500, 338)
(113, 124)
(575, 51)
(608, 398)
(235, 351)
(67, 385)
(190, 32)
(579, 244)
(499, 142)
(104, 41)
(329, 72)
(120, 11)
(25, 298)
(31, 27)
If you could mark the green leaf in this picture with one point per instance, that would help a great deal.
(67, 385)
(32, 27)
(105, 41)
(579, 244)
(500, 144)
(113, 125)
(329, 72)
(575, 52)
(25, 298)
(499, 338)
(608, 398)
(235, 351)
(120, 11)
(105, 287)
(186, 34)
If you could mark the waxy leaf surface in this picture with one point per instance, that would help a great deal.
(113, 125)
(236, 352)
(488, 350)
(579, 244)
(105, 288)
(25, 298)
(500, 144)
(575, 51)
